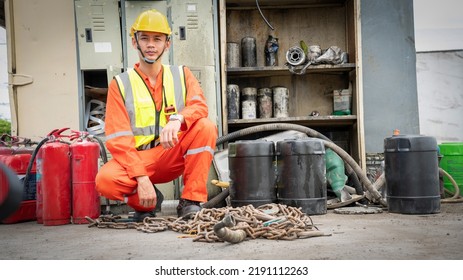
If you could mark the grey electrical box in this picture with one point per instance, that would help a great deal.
(192, 32)
(99, 34)
(192, 24)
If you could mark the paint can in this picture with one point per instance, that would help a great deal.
(280, 102)
(233, 102)
(248, 103)
(264, 100)
(248, 52)
(233, 55)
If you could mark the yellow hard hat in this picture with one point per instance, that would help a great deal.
(151, 21)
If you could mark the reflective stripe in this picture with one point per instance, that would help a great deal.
(140, 104)
(200, 150)
(148, 146)
(119, 134)
(196, 97)
(179, 98)
(130, 104)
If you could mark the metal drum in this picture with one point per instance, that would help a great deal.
(252, 172)
(301, 175)
(412, 174)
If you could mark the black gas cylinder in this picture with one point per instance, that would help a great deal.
(252, 172)
(301, 175)
(412, 174)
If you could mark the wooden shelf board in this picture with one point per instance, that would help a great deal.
(283, 70)
(347, 120)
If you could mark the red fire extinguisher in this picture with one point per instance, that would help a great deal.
(18, 160)
(84, 165)
(36, 159)
(38, 188)
(56, 180)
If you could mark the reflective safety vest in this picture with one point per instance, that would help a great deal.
(146, 122)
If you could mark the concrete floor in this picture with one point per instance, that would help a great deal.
(384, 236)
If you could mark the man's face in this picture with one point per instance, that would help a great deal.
(152, 44)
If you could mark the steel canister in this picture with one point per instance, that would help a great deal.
(264, 101)
(280, 102)
(248, 52)
(233, 55)
(248, 103)
(233, 102)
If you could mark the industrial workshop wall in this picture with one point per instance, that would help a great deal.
(390, 98)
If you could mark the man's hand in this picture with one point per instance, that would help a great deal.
(146, 192)
(169, 134)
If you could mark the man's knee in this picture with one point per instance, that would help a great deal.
(102, 180)
(208, 127)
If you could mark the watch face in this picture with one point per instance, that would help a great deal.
(174, 117)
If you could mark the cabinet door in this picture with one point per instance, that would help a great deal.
(98, 34)
(42, 66)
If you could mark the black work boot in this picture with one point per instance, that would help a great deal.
(187, 208)
(139, 216)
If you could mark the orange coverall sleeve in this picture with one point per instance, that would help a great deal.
(195, 104)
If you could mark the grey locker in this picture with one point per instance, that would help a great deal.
(99, 34)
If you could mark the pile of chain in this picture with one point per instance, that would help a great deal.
(269, 221)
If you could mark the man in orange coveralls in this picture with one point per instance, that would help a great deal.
(156, 127)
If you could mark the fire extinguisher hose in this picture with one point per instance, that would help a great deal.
(103, 154)
(104, 158)
(31, 162)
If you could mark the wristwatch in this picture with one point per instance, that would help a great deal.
(176, 118)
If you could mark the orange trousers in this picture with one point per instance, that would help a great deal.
(191, 157)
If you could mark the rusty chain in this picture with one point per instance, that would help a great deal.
(269, 221)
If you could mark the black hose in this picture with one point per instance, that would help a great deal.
(353, 173)
(263, 17)
(31, 161)
(104, 158)
(103, 154)
(216, 199)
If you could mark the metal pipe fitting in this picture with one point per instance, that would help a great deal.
(221, 229)
(295, 56)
